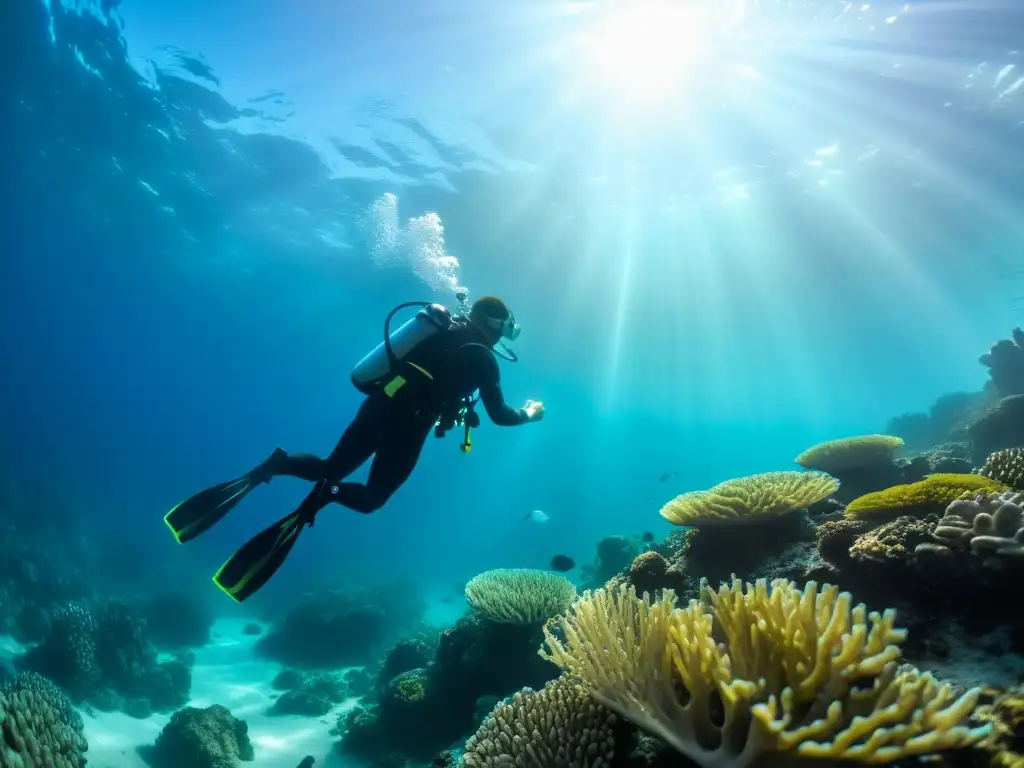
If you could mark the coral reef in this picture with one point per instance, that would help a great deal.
(748, 500)
(1006, 467)
(560, 725)
(820, 678)
(177, 620)
(952, 458)
(519, 595)
(999, 427)
(38, 726)
(614, 554)
(748, 551)
(310, 695)
(945, 421)
(1005, 363)
(423, 709)
(342, 628)
(650, 572)
(928, 495)
(103, 655)
(202, 738)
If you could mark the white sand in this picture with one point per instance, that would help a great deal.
(226, 672)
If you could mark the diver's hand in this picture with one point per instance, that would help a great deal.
(534, 410)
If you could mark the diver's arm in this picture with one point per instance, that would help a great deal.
(489, 378)
(498, 410)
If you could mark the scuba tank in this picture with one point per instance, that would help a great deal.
(382, 361)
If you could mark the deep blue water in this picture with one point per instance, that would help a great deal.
(709, 286)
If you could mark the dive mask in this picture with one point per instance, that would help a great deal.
(510, 329)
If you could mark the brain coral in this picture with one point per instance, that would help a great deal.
(933, 491)
(750, 499)
(837, 456)
(519, 595)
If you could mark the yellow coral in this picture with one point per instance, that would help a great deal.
(934, 491)
(846, 453)
(750, 499)
(792, 670)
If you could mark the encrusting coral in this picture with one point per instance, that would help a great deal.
(750, 499)
(848, 453)
(560, 725)
(927, 495)
(989, 524)
(1006, 466)
(894, 541)
(745, 672)
(519, 595)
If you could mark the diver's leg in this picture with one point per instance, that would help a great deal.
(395, 460)
(356, 445)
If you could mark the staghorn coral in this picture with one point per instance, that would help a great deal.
(559, 726)
(847, 453)
(1006, 466)
(38, 726)
(519, 595)
(799, 671)
(750, 499)
(932, 492)
(990, 524)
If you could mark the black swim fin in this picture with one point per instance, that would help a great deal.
(252, 566)
(201, 512)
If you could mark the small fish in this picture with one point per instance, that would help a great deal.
(537, 516)
(647, 538)
(562, 563)
(669, 476)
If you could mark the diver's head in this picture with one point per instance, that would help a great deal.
(497, 322)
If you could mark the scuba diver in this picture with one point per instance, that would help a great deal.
(419, 379)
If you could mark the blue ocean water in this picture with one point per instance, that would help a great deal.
(210, 207)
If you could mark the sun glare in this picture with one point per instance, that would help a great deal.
(646, 48)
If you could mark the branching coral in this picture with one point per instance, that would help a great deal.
(519, 595)
(990, 524)
(559, 726)
(844, 454)
(1006, 466)
(799, 671)
(750, 499)
(925, 495)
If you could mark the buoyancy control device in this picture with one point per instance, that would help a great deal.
(386, 366)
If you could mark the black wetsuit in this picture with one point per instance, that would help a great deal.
(394, 429)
